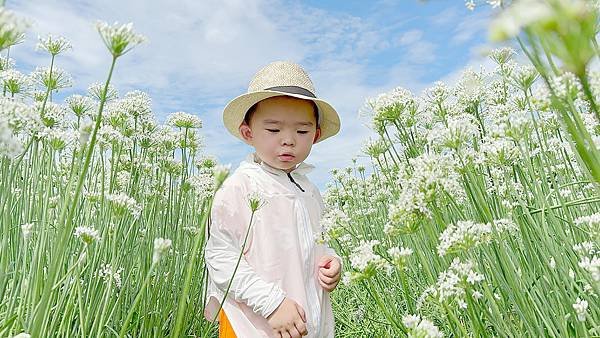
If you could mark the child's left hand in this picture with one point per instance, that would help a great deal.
(329, 272)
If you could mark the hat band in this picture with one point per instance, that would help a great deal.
(293, 90)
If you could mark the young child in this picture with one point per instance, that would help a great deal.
(281, 286)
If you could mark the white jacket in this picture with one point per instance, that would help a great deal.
(280, 257)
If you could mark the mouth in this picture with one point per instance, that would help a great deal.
(286, 157)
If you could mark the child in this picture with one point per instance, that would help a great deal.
(281, 286)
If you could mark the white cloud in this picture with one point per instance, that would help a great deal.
(410, 37)
(471, 26)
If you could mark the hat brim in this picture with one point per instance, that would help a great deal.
(236, 109)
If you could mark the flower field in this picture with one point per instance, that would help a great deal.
(478, 215)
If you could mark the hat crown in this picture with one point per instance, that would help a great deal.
(278, 74)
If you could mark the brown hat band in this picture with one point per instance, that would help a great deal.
(293, 90)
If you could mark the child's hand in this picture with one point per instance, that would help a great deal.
(288, 320)
(329, 272)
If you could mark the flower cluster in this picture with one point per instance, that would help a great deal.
(365, 261)
(591, 224)
(81, 105)
(15, 82)
(333, 223)
(26, 229)
(9, 144)
(96, 89)
(110, 274)
(122, 204)
(399, 256)
(119, 39)
(589, 258)
(464, 235)
(53, 45)
(455, 133)
(407, 212)
(161, 246)
(419, 327)
(184, 120)
(580, 306)
(52, 78)
(86, 234)
(453, 284)
(12, 28)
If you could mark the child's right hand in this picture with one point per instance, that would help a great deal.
(288, 320)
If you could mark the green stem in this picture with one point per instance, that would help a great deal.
(42, 308)
(191, 264)
(136, 301)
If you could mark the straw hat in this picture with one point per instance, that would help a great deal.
(276, 79)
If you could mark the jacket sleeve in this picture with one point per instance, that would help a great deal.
(230, 216)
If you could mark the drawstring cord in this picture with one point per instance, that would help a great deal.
(292, 179)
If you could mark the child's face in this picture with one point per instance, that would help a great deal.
(282, 130)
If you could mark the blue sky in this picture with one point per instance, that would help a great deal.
(201, 54)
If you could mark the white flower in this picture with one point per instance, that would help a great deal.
(406, 213)
(110, 274)
(591, 265)
(494, 3)
(552, 263)
(12, 28)
(398, 106)
(6, 63)
(53, 45)
(592, 223)
(585, 248)
(362, 255)
(184, 120)
(255, 201)
(452, 284)
(56, 79)
(220, 173)
(347, 278)
(22, 335)
(333, 222)
(433, 174)
(10, 146)
(119, 39)
(14, 81)
(580, 306)
(26, 230)
(57, 138)
(399, 255)
(81, 105)
(86, 234)
(123, 203)
(108, 135)
(161, 245)
(520, 14)
(470, 4)
(420, 327)
(499, 151)
(463, 235)
(95, 91)
(456, 132)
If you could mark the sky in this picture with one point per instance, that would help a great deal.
(201, 54)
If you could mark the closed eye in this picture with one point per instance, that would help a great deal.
(273, 130)
(302, 131)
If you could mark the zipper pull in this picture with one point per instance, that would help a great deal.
(292, 179)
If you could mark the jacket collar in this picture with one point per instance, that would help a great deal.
(301, 169)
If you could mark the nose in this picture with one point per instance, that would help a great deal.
(288, 139)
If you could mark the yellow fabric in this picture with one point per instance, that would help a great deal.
(225, 329)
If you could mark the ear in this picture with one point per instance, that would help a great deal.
(317, 135)
(246, 133)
